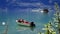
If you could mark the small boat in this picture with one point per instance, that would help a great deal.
(45, 10)
(24, 23)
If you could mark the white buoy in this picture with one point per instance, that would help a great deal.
(3, 23)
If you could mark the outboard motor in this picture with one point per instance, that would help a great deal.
(45, 10)
(32, 24)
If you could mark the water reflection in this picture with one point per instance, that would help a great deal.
(22, 28)
(32, 28)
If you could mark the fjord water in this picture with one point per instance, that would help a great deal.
(11, 15)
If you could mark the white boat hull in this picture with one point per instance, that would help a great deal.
(24, 24)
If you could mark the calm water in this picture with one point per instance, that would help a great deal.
(11, 15)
